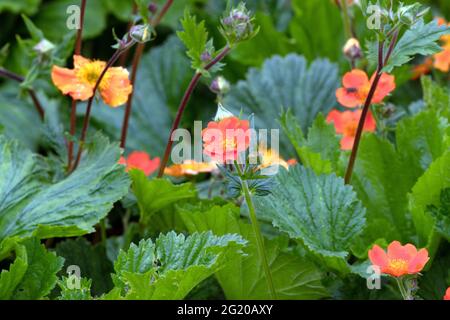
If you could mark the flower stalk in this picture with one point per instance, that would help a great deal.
(11, 75)
(186, 97)
(136, 61)
(382, 61)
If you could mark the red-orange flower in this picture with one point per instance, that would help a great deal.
(79, 82)
(422, 69)
(447, 294)
(225, 139)
(356, 87)
(190, 168)
(142, 161)
(442, 59)
(270, 157)
(346, 124)
(399, 260)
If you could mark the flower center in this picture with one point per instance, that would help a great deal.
(398, 266)
(90, 72)
(229, 144)
(350, 129)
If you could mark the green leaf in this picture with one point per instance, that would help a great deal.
(28, 7)
(81, 293)
(163, 75)
(174, 264)
(91, 260)
(70, 207)
(121, 9)
(426, 192)
(442, 214)
(32, 275)
(321, 211)
(420, 39)
(294, 276)
(195, 38)
(436, 97)
(156, 194)
(436, 280)
(284, 83)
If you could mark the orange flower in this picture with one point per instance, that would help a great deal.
(399, 260)
(140, 160)
(79, 82)
(357, 86)
(422, 69)
(226, 138)
(443, 22)
(346, 123)
(270, 157)
(190, 168)
(442, 59)
(447, 294)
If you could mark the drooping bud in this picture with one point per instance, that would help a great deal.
(237, 25)
(44, 47)
(142, 33)
(222, 113)
(153, 7)
(206, 56)
(220, 85)
(352, 49)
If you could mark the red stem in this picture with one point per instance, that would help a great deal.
(136, 62)
(73, 107)
(13, 76)
(183, 104)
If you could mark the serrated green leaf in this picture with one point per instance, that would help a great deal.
(194, 37)
(321, 211)
(156, 194)
(284, 83)
(32, 275)
(436, 97)
(70, 207)
(441, 214)
(174, 264)
(420, 39)
(294, 277)
(81, 293)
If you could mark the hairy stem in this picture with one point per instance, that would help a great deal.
(186, 97)
(73, 106)
(13, 76)
(136, 60)
(259, 239)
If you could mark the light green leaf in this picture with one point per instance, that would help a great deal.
(71, 294)
(426, 192)
(32, 275)
(294, 277)
(442, 214)
(70, 207)
(436, 97)
(284, 83)
(163, 75)
(173, 265)
(321, 211)
(156, 194)
(194, 37)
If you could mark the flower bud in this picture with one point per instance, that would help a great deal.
(352, 49)
(205, 57)
(141, 33)
(222, 113)
(237, 25)
(43, 47)
(220, 86)
(153, 7)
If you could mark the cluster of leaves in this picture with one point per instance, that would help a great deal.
(148, 238)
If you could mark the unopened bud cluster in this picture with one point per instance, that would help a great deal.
(237, 25)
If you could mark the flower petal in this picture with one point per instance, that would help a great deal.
(378, 257)
(418, 262)
(355, 79)
(116, 87)
(349, 99)
(67, 81)
(385, 87)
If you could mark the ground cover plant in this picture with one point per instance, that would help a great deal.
(207, 149)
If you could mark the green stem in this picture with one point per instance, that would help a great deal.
(259, 239)
(402, 289)
(103, 231)
(347, 23)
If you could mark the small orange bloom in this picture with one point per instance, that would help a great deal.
(447, 294)
(422, 69)
(190, 168)
(270, 157)
(399, 260)
(79, 82)
(140, 160)
(225, 139)
(442, 59)
(443, 22)
(356, 87)
(346, 124)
